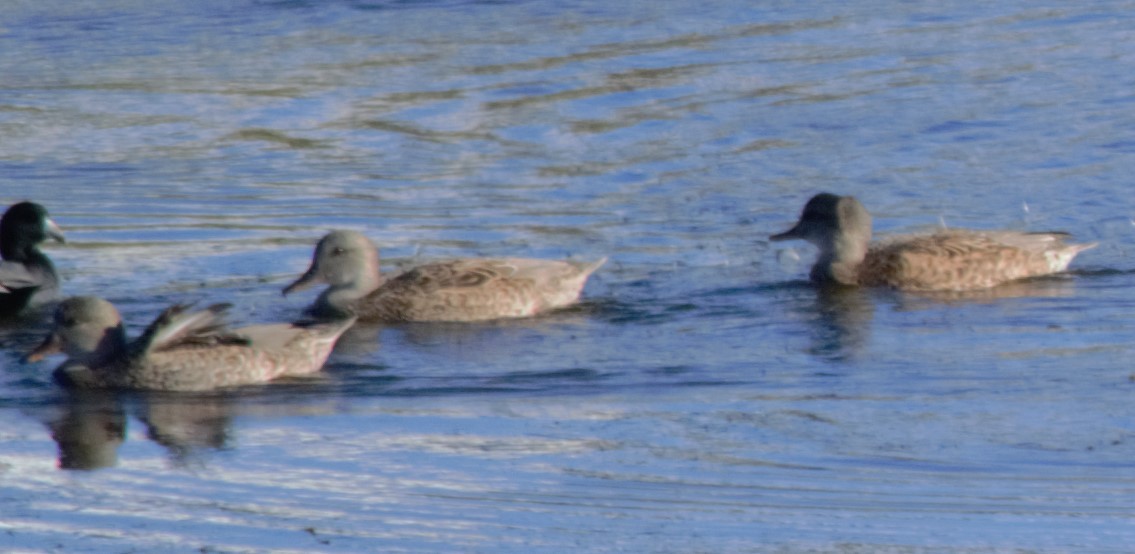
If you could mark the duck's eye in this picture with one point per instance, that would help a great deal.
(337, 251)
(67, 321)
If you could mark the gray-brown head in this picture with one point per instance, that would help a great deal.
(828, 220)
(88, 329)
(346, 260)
(841, 228)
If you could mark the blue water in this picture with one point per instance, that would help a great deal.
(703, 397)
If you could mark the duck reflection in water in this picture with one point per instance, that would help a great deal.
(187, 425)
(1055, 286)
(91, 426)
(841, 326)
(842, 323)
(88, 430)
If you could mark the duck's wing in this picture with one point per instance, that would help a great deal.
(472, 273)
(966, 260)
(278, 336)
(455, 274)
(553, 271)
(177, 327)
(16, 275)
(1047, 245)
(1038, 242)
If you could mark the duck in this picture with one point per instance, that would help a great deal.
(947, 260)
(182, 350)
(27, 276)
(462, 290)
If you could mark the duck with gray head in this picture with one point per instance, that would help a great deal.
(471, 289)
(180, 350)
(949, 260)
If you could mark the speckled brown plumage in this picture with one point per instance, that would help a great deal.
(180, 351)
(460, 290)
(954, 260)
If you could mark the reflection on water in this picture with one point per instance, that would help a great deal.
(185, 424)
(90, 426)
(1060, 286)
(88, 430)
(843, 323)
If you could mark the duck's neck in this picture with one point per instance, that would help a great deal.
(22, 251)
(112, 345)
(341, 297)
(839, 260)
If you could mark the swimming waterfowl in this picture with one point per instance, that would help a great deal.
(460, 290)
(952, 260)
(27, 276)
(180, 350)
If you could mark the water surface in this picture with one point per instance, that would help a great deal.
(703, 398)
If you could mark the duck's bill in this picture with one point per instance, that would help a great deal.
(53, 231)
(306, 280)
(50, 345)
(793, 233)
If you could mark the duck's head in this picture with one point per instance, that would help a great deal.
(85, 328)
(24, 225)
(342, 259)
(828, 220)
